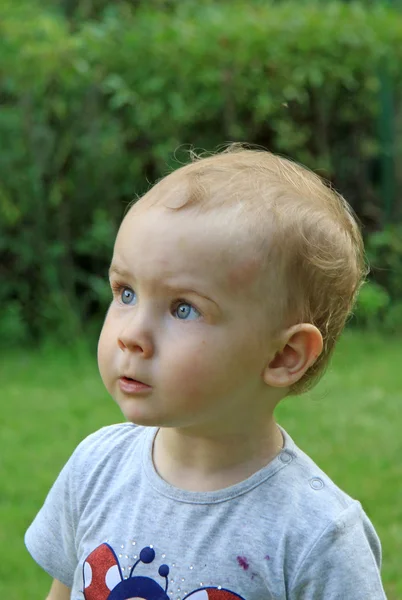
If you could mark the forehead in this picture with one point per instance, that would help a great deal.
(168, 244)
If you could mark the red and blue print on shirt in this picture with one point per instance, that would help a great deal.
(103, 580)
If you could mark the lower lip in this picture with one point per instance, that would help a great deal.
(130, 386)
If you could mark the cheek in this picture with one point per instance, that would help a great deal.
(104, 349)
(210, 369)
(102, 345)
(189, 369)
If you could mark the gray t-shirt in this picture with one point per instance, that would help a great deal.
(112, 529)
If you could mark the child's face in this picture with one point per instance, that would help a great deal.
(186, 319)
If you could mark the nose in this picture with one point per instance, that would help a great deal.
(136, 335)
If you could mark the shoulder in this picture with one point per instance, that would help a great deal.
(311, 504)
(343, 560)
(98, 462)
(311, 496)
(323, 524)
(105, 449)
(108, 438)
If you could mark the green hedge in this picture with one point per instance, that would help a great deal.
(93, 111)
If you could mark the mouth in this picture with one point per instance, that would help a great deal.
(129, 385)
(126, 378)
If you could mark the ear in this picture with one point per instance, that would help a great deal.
(301, 345)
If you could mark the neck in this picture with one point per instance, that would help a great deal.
(196, 461)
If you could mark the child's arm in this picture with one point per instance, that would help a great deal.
(59, 591)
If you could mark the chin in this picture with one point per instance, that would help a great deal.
(139, 418)
(139, 412)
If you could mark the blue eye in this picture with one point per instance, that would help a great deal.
(127, 295)
(183, 310)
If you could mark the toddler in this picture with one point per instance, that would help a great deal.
(232, 279)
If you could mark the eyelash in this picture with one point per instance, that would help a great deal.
(118, 287)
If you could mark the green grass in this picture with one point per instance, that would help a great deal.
(350, 425)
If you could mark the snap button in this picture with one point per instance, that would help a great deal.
(285, 457)
(316, 483)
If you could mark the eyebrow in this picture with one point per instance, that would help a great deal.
(115, 269)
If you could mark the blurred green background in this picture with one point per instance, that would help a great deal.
(98, 99)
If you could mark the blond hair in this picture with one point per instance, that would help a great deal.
(305, 232)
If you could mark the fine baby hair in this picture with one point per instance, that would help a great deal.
(303, 232)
